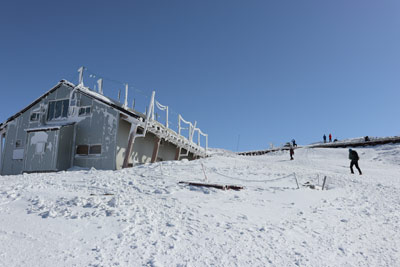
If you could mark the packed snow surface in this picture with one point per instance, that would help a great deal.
(142, 217)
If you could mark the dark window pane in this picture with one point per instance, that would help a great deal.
(139, 130)
(87, 110)
(50, 114)
(65, 108)
(95, 149)
(58, 109)
(82, 149)
(81, 111)
(35, 116)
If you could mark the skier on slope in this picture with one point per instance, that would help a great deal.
(324, 138)
(330, 137)
(353, 156)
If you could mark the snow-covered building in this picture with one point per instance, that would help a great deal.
(71, 125)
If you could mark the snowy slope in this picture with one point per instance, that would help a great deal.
(143, 217)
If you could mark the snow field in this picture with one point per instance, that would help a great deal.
(142, 217)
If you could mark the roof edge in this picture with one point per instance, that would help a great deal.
(16, 115)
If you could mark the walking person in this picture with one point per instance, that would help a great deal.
(330, 138)
(294, 143)
(291, 151)
(353, 156)
(324, 138)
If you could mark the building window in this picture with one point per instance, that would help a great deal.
(84, 111)
(58, 109)
(35, 116)
(95, 150)
(82, 150)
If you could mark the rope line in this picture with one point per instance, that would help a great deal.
(255, 181)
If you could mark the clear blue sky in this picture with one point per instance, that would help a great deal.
(268, 71)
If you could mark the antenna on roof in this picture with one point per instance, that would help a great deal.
(80, 70)
(126, 96)
(100, 84)
(119, 95)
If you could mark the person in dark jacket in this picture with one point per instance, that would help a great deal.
(294, 143)
(353, 156)
(324, 138)
(291, 150)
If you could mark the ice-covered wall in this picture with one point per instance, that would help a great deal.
(99, 128)
(65, 147)
(166, 151)
(41, 151)
(16, 135)
(143, 148)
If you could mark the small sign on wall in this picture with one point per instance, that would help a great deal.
(18, 153)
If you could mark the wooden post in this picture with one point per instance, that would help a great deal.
(323, 184)
(177, 153)
(298, 187)
(155, 150)
(204, 171)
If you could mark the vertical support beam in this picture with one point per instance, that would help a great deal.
(166, 118)
(1, 151)
(152, 108)
(191, 131)
(198, 137)
(128, 150)
(179, 124)
(155, 150)
(100, 84)
(177, 153)
(126, 96)
(80, 70)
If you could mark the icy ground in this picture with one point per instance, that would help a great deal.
(143, 217)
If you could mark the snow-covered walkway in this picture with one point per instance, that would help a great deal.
(142, 216)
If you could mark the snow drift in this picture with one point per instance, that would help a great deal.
(142, 217)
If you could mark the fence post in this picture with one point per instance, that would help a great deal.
(205, 176)
(323, 184)
(298, 187)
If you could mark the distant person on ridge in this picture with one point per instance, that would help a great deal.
(330, 138)
(291, 151)
(294, 143)
(353, 156)
(324, 138)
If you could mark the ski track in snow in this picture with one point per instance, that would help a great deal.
(142, 217)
